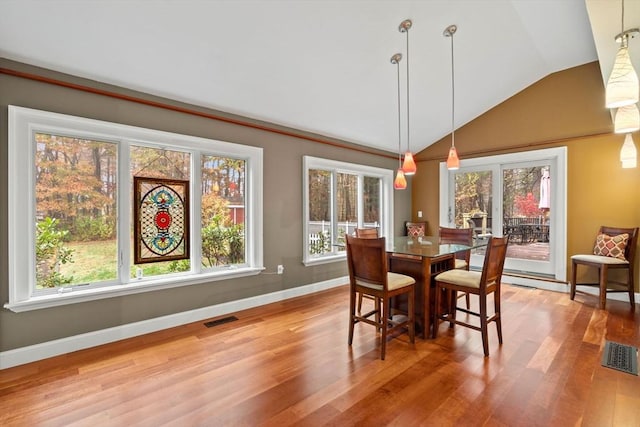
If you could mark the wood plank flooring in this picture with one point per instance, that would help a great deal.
(289, 364)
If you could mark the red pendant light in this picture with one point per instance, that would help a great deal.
(400, 183)
(453, 162)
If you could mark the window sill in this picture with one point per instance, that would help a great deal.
(325, 259)
(135, 287)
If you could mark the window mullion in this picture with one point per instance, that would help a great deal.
(196, 208)
(334, 209)
(125, 212)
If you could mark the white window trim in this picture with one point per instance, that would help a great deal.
(386, 196)
(23, 122)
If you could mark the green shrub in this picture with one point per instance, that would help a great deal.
(86, 228)
(51, 252)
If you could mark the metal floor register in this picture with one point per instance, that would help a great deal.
(621, 357)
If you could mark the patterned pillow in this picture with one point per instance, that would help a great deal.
(611, 246)
(415, 230)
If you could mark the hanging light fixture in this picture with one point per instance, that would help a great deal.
(627, 119)
(622, 86)
(400, 183)
(453, 161)
(628, 153)
(408, 165)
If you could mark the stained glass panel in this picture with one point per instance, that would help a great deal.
(162, 220)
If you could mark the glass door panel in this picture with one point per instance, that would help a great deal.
(473, 203)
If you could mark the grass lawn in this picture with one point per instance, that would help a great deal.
(98, 261)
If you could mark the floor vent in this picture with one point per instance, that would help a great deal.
(621, 357)
(222, 321)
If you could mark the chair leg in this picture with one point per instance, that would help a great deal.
(385, 323)
(453, 306)
(483, 325)
(632, 298)
(352, 313)
(359, 302)
(466, 297)
(574, 270)
(496, 304)
(436, 313)
(603, 286)
(377, 308)
(411, 315)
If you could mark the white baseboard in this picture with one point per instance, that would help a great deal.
(53, 348)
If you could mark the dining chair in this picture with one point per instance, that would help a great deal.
(367, 233)
(482, 283)
(614, 248)
(459, 236)
(367, 262)
(416, 229)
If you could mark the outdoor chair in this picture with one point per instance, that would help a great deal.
(614, 249)
(367, 262)
(460, 236)
(481, 283)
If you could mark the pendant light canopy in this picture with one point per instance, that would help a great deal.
(453, 161)
(408, 165)
(627, 119)
(400, 182)
(622, 86)
(628, 153)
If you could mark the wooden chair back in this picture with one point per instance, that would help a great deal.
(458, 236)
(367, 261)
(493, 263)
(367, 233)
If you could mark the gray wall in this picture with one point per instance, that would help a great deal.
(282, 207)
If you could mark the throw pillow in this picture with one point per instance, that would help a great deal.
(415, 230)
(611, 246)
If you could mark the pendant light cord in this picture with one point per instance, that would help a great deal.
(453, 96)
(408, 115)
(622, 18)
(399, 124)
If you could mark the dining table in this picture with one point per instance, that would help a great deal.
(422, 258)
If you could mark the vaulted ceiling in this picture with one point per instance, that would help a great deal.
(321, 65)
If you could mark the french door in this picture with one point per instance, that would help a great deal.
(521, 195)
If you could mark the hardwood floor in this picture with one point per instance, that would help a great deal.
(289, 364)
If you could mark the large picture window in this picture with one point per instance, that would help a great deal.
(340, 197)
(98, 209)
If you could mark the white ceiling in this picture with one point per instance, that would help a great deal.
(320, 65)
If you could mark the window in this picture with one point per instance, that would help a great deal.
(338, 198)
(73, 207)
